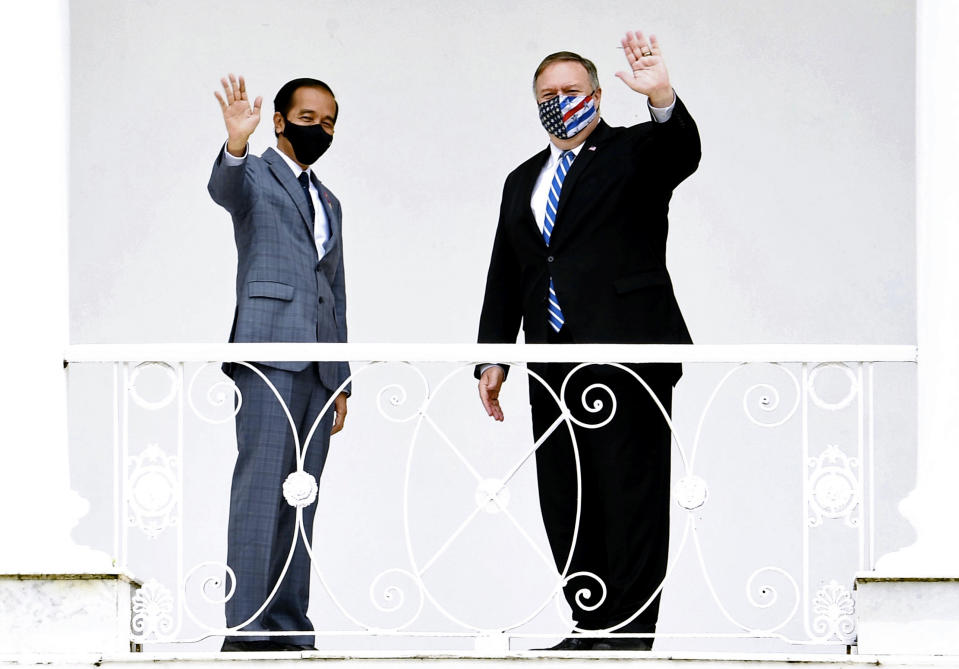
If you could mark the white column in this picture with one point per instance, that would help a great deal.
(910, 604)
(933, 507)
(37, 507)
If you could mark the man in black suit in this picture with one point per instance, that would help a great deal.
(580, 257)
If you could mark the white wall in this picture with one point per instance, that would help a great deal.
(798, 226)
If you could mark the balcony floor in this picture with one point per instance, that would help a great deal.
(515, 660)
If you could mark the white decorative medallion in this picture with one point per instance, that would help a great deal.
(835, 612)
(152, 611)
(152, 490)
(691, 492)
(492, 496)
(833, 487)
(299, 489)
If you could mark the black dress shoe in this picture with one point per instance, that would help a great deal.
(230, 646)
(572, 643)
(292, 646)
(623, 644)
(261, 646)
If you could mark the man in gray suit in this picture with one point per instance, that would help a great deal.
(289, 288)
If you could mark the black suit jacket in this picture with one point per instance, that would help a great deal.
(607, 253)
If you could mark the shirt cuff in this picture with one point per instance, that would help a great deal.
(483, 368)
(231, 160)
(662, 114)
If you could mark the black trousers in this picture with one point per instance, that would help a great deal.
(623, 529)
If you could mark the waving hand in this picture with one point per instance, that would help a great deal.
(647, 73)
(240, 118)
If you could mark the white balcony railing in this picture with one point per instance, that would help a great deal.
(774, 482)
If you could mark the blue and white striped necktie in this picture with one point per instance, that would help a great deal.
(554, 313)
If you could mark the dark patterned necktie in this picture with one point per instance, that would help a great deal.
(304, 180)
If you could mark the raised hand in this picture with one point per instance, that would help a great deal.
(647, 72)
(240, 118)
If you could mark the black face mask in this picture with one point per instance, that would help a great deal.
(309, 142)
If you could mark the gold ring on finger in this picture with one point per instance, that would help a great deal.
(647, 52)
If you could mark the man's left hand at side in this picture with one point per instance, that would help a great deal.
(491, 380)
(339, 409)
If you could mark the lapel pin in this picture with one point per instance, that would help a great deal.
(592, 148)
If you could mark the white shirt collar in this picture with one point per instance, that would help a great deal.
(297, 170)
(555, 152)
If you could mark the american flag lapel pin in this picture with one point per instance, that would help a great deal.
(592, 148)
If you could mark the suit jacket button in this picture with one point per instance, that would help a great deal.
(319, 266)
(549, 259)
(321, 300)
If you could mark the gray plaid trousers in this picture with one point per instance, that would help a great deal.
(262, 524)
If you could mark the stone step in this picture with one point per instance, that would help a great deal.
(65, 612)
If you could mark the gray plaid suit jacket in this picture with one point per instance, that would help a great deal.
(283, 292)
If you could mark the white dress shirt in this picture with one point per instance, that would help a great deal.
(321, 226)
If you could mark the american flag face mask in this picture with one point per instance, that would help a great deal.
(564, 116)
